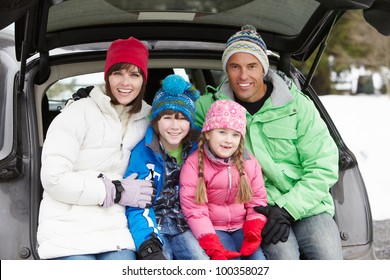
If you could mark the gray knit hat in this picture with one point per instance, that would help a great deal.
(247, 41)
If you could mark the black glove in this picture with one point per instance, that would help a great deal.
(278, 225)
(82, 93)
(151, 249)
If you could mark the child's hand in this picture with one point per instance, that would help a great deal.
(214, 248)
(252, 234)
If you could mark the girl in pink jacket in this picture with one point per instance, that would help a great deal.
(221, 182)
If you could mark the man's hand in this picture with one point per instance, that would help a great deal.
(278, 225)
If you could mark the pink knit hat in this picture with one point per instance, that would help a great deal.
(226, 114)
(130, 51)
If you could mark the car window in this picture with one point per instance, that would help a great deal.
(62, 90)
(2, 103)
(54, 99)
(58, 93)
(8, 68)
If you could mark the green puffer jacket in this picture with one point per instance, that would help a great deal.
(292, 143)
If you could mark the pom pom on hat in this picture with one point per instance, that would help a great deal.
(247, 40)
(130, 51)
(178, 95)
(226, 114)
(174, 84)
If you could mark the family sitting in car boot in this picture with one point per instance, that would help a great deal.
(242, 172)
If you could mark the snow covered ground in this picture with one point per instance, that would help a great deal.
(364, 123)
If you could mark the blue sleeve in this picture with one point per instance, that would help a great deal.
(142, 224)
(137, 162)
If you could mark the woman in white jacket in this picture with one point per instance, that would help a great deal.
(82, 213)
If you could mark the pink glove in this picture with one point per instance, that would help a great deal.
(129, 192)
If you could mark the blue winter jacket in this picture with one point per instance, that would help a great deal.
(147, 161)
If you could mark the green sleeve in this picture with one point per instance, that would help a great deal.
(319, 157)
(202, 105)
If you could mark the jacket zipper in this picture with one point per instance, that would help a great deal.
(229, 191)
(230, 177)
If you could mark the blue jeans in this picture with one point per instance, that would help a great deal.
(180, 245)
(232, 241)
(113, 255)
(313, 238)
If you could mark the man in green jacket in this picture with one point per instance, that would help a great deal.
(292, 143)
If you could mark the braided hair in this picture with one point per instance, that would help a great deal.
(244, 190)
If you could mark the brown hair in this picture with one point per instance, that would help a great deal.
(137, 102)
(244, 190)
(154, 124)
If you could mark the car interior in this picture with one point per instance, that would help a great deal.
(203, 73)
(197, 73)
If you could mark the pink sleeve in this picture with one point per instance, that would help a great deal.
(196, 215)
(256, 181)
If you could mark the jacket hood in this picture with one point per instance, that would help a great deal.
(280, 95)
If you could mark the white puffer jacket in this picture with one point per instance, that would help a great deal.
(82, 142)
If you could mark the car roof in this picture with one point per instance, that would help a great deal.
(289, 27)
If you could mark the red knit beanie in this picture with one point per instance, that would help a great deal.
(130, 51)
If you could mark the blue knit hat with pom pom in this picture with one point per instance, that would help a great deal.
(178, 95)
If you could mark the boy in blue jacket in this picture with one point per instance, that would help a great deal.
(161, 232)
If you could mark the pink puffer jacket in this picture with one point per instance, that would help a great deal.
(222, 212)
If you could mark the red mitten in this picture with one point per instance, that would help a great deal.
(214, 248)
(252, 236)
